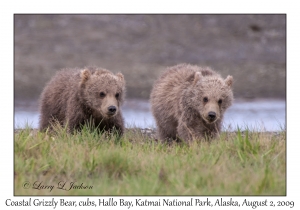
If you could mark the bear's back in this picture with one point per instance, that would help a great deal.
(175, 79)
(62, 86)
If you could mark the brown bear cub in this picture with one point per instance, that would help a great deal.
(188, 102)
(77, 97)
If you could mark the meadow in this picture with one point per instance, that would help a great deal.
(91, 163)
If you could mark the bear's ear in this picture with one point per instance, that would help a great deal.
(85, 75)
(121, 78)
(197, 77)
(229, 80)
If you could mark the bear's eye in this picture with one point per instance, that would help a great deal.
(205, 99)
(220, 101)
(117, 95)
(102, 94)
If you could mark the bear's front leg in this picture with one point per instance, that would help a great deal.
(74, 121)
(117, 124)
(188, 128)
(184, 133)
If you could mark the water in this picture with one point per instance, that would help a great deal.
(260, 115)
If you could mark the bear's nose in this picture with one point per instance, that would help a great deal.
(211, 115)
(112, 109)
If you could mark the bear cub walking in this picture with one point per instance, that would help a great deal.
(188, 102)
(76, 97)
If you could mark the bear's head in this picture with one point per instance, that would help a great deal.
(211, 96)
(102, 91)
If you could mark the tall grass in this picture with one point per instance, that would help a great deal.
(240, 163)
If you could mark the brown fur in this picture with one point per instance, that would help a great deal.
(179, 106)
(72, 98)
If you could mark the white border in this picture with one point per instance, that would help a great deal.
(6, 40)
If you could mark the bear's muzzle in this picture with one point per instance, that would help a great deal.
(111, 110)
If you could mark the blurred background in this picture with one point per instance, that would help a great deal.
(251, 48)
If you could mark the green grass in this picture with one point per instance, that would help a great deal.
(241, 163)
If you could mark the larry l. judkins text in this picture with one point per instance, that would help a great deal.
(127, 203)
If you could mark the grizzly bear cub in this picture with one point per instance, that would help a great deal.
(188, 102)
(77, 97)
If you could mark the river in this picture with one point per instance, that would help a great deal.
(258, 115)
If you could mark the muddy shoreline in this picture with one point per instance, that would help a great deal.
(251, 48)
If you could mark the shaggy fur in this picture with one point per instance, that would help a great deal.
(188, 102)
(76, 97)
